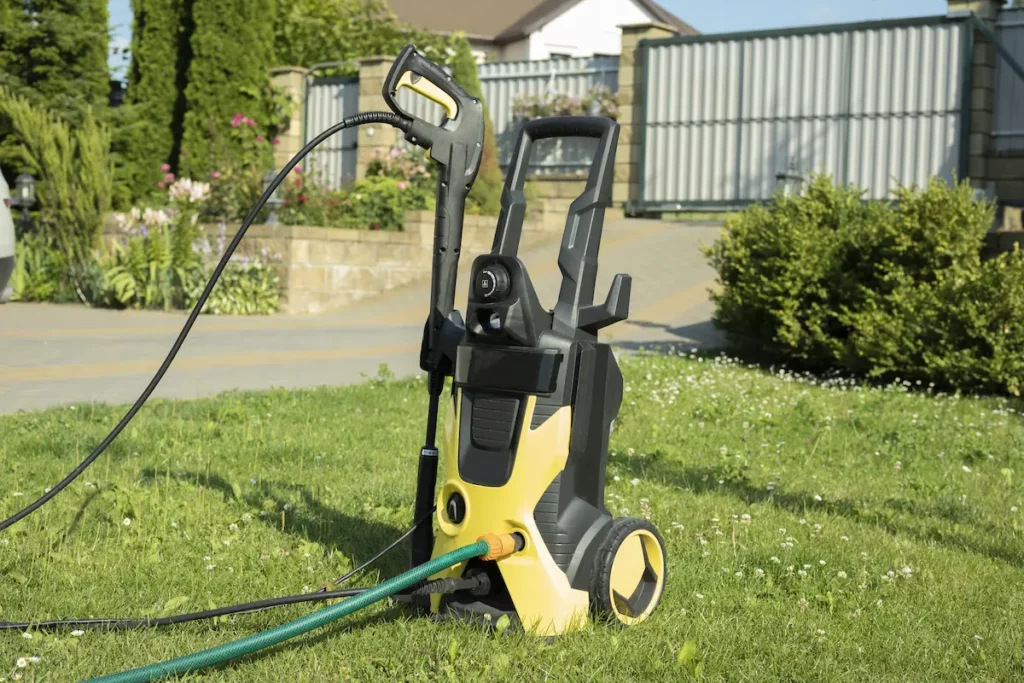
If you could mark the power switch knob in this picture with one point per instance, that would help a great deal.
(455, 509)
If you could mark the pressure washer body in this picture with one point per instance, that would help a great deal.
(533, 398)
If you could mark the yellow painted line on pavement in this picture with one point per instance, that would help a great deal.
(14, 375)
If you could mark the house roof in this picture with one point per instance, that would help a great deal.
(502, 21)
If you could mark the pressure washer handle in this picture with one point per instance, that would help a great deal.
(457, 147)
(599, 181)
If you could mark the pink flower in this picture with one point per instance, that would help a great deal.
(169, 178)
(260, 138)
(160, 185)
(165, 168)
(237, 120)
(277, 141)
(402, 185)
(298, 169)
(252, 124)
(215, 175)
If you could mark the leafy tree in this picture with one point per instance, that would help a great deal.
(156, 80)
(74, 169)
(309, 32)
(485, 197)
(58, 53)
(232, 51)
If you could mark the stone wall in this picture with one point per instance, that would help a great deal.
(325, 269)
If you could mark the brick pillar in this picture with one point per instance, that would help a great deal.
(292, 80)
(373, 139)
(631, 96)
(983, 79)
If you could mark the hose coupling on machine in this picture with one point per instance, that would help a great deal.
(502, 545)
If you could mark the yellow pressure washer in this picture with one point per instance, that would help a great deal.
(523, 528)
(534, 395)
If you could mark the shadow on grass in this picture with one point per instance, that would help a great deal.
(981, 539)
(357, 538)
(703, 336)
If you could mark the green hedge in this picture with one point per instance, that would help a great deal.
(232, 53)
(160, 55)
(829, 281)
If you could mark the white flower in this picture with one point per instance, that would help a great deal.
(775, 560)
(77, 633)
(127, 521)
(966, 468)
(745, 518)
(698, 596)
(759, 572)
(33, 660)
(26, 635)
(817, 497)
(821, 562)
(844, 538)
(155, 217)
(174, 525)
(232, 527)
(635, 482)
(1013, 508)
(739, 575)
(21, 663)
(841, 575)
(907, 571)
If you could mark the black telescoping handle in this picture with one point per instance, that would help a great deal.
(599, 182)
(456, 145)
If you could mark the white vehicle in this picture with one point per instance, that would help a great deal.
(6, 241)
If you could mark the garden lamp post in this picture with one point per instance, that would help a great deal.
(24, 198)
(274, 201)
(789, 182)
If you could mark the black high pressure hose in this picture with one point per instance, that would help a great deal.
(383, 117)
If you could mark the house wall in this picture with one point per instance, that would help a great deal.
(587, 28)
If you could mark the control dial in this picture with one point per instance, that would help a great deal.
(492, 283)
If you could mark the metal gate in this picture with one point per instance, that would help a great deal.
(328, 101)
(874, 104)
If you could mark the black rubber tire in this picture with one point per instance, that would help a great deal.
(600, 581)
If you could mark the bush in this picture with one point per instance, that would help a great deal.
(158, 68)
(232, 51)
(163, 259)
(829, 281)
(74, 169)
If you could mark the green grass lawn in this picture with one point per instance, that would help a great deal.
(816, 532)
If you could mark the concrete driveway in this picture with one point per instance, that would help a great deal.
(52, 355)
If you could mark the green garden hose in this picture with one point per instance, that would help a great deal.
(279, 634)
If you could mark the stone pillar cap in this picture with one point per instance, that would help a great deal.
(646, 25)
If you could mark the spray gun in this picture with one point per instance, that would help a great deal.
(456, 145)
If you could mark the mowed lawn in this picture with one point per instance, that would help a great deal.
(816, 530)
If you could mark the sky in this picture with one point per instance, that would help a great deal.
(707, 16)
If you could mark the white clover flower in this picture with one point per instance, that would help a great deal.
(232, 527)
(699, 596)
(77, 633)
(26, 635)
(33, 660)
(127, 521)
(758, 572)
(775, 560)
(635, 482)
(841, 574)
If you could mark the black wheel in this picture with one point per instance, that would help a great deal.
(629, 572)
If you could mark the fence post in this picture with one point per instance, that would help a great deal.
(375, 139)
(626, 189)
(291, 80)
(982, 91)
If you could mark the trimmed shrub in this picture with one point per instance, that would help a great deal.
(829, 281)
(232, 52)
(74, 170)
(160, 56)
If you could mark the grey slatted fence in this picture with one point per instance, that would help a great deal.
(1008, 121)
(874, 104)
(328, 101)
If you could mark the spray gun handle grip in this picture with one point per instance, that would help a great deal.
(414, 71)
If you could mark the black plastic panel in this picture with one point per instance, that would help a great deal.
(519, 370)
(488, 436)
